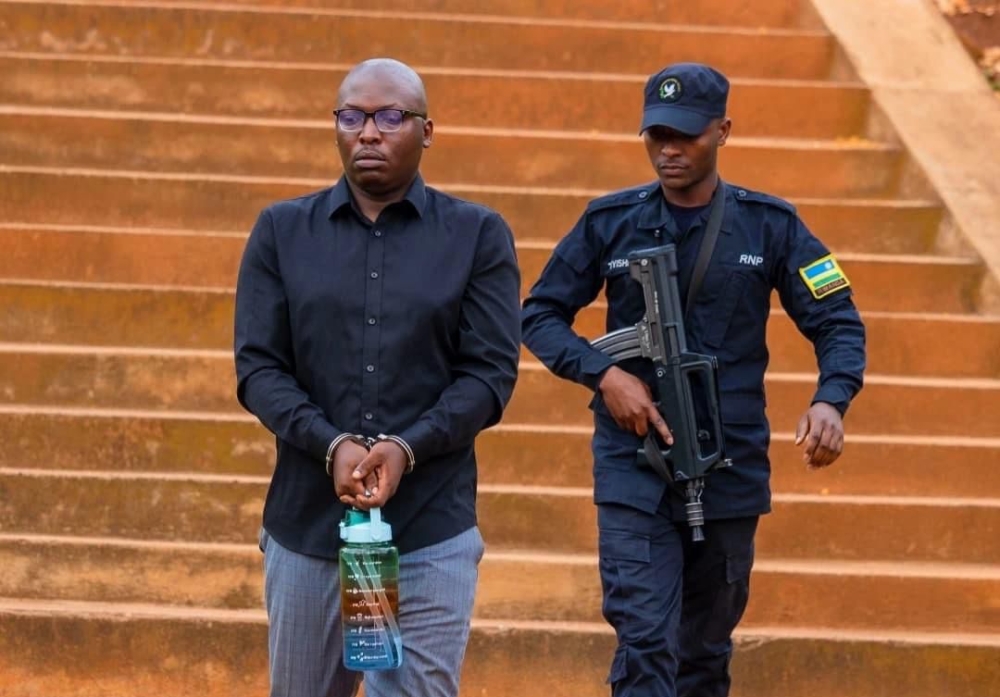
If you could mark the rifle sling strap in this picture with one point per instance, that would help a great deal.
(707, 245)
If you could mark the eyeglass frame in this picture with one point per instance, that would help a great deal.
(371, 115)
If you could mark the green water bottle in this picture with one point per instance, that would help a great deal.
(369, 592)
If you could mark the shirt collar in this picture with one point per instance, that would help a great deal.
(340, 196)
(656, 215)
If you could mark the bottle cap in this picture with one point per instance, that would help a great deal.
(362, 527)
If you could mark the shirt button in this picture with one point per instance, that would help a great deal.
(378, 233)
(374, 274)
(371, 320)
(742, 193)
(370, 368)
(643, 194)
(369, 416)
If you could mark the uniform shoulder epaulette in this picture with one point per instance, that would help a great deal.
(624, 197)
(751, 196)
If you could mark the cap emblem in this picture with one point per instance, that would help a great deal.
(670, 90)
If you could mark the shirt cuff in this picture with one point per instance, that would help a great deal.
(835, 395)
(593, 369)
(321, 435)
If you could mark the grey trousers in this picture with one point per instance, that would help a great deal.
(437, 587)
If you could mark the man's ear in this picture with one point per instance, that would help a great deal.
(725, 126)
(428, 132)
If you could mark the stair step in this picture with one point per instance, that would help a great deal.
(902, 596)
(43, 197)
(227, 508)
(346, 36)
(763, 13)
(117, 315)
(234, 444)
(61, 648)
(888, 404)
(895, 283)
(208, 260)
(204, 381)
(458, 97)
(294, 148)
(887, 283)
(907, 344)
(186, 318)
(802, 526)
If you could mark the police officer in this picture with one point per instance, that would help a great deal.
(674, 603)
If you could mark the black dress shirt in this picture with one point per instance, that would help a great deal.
(407, 326)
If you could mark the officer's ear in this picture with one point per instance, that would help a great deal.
(725, 125)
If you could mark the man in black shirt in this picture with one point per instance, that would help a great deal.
(379, 309)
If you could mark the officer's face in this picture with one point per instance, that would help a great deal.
(683, 161)
(376, 161)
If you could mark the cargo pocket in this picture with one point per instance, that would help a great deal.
(731, 599)
(621, 545)
(738, 567)
(623, 558)
(721, 311)
(619, 666)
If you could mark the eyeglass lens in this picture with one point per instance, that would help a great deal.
(386, 120)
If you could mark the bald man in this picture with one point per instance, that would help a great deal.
(377, 333)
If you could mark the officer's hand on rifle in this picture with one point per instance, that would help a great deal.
(822, 430)
(631, 403)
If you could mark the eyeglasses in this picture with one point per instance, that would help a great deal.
(386, 120)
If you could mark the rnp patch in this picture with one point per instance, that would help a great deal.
(824, 276)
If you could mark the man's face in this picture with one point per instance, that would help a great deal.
(379, 162)
(682, 161)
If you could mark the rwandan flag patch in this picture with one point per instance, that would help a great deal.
(824, 276)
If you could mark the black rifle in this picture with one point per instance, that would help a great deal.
(686, 383)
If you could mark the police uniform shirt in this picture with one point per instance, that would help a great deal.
(762, 246)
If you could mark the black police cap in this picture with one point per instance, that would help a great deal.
(684, 97)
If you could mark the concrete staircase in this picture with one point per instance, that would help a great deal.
(138, 141)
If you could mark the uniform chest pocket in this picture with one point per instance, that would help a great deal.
(624, 295)
(720, 312)
(615, 269)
